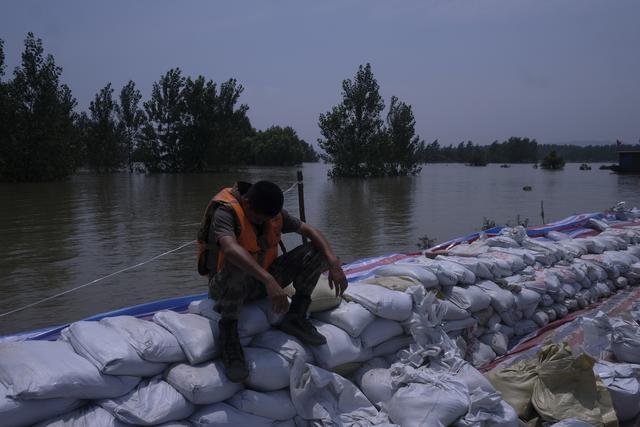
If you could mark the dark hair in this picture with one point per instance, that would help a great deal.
(266, 198)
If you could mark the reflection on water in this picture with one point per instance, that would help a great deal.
(56, 236)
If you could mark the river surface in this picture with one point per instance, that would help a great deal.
(57, 236)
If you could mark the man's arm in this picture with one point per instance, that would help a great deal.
(241, 258)
(337, 278)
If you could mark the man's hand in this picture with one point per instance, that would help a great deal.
(337, 279)
(279, 301)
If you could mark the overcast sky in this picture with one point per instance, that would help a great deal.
(554, 70)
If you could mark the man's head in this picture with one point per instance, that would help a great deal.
(262, 201)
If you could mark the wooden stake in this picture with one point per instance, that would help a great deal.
(303, 217)
(542, 210)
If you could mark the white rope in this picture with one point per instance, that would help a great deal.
(140, 264)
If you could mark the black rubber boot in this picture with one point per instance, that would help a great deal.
(232, 353)
(295, 322)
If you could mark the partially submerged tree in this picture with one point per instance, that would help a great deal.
(105, 144)
(39, 140)
(131, 120)
(279, 146)
(355, 138)
(552, 162)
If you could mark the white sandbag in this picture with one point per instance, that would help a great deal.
(463, 371)
(509, 317)
(488, 409)
(380, 301)
(557, 236)
(252, 319)
(285, 345)
(527, 298)
(515, 260)
(151, 341)
(453, 312)
(481, 354)
(572, 422)
(483, 316)
(464, 273)
(415, 271)
(322, 297)
(502, 242)
(501, 299)
(51, 369)
(340, 348)
(541, 318)
(351, 317)
(471, 298)
(426, 398)
(109, 350)
(493, 321)
(459, 325)
(375, 363)
(445, 277)
(525, 327)
(379, 331)
(622, 381)
(621, 283)
(546, 300)
(268, 371)
(561, 310)
(498, 342)
(196, 334)
(569, 291)
(470, 249)
(222, 414)
(202, 384)
(18, 413)
(477, 266)
(507, 331)
(87, 416)
(625, 341)
(392, 346)
(330, 399)
(571, 304)
(596, 224)
(152, 402)
(376, 385)
(274, 405)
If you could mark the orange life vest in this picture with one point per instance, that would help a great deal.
(265, 254)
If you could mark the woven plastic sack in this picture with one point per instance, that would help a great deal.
(18, 413)
(51, 369)
(453, 312)
(151, 341)
(283, 344)
(109, 350)
(380, 301)
(379, 331)
(196, 334)
(348, 316)
(415, 271)
(487, 409)
(470, 298)
(274, 405)
(252, 319)
(203, 384)
(392, 346)
(498, 342)
(87, 416)
(477, 266)
(376, 385)
(622, 381)
(152, 402)
(426, 398)
(501, 299)
(330, 399)
(340, 348)
(222, 414)
(268, 371)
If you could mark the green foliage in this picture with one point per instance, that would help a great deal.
(279, 146)
(552, 162)
(356, 139)
(105, 143)
(131, 120)
(426, 242)
(39, 140)
(488, 223)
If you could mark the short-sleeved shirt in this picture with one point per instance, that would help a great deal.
(225, 223)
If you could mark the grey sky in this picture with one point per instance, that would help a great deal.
(555, 70)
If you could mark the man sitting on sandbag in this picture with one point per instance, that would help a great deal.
(238, 249)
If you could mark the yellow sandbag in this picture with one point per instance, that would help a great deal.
(516, 384)
(395, 283)
(567, 388)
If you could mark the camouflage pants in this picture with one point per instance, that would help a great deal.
(231, 286)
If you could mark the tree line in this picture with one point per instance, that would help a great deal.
(518, 150)
(187, 125)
